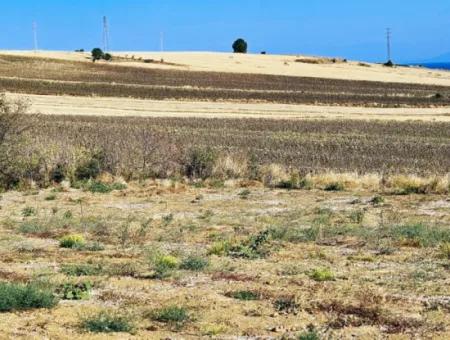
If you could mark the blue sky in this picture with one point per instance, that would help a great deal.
(354, 29)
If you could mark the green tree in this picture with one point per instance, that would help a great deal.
(240, 46)
(107, 57)
(97, 54)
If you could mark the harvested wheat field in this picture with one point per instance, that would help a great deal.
(203, 195)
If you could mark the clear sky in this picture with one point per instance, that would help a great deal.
(353, 29)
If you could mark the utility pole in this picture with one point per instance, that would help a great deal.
(35, 38)
(105, 34)
(388, 37)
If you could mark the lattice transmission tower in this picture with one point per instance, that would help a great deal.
(105, 34)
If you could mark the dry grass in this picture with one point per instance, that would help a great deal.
(389, 271)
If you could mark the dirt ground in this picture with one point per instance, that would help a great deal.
(381, 287)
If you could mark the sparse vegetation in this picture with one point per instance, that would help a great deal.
(172, 315)
(194, 263)
(16, 297)
(226, 226)
(72, 241)
(76, 291)
(107, 322)
(322, 274)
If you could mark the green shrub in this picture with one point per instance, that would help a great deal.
(107, 322)
(309, 335)
(194, 263)
(90, 169)
(357, 216)
(245, 295)
(200, 163)
(321, 274)
(253, 247)
(76, 291)
(72, 241)
(164, 265)
(58, 173)
(99, 187)
(28, 211)
(173, 315)
(33, 228)
(244, 194)
(377, 200)
(417, 234)
(82, 269)
(219, 248)
(15, 296)
(68, 215)
(286, 304)
(336, 186)
(50, 197)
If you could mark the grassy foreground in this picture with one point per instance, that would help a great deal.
(158, 259)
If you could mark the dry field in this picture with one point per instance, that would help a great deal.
(135, 146)
(222, 196)
(60, 77)
(170, 260)
(129, 107)
(281, 65)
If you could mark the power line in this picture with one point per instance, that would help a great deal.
(105, 34)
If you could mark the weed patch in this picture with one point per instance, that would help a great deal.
(14, 296)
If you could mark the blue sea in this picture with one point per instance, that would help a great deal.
(440, 66)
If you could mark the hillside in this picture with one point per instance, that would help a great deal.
(299, 66)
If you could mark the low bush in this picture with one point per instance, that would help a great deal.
(286, 304)
(76, 291)
(418, 234)
(28, 211)
(164, 265)
(82, 269)
(173, 315)
(50, 197)
(200, 163)
(102, 188)
(34, 228)
(244, 194)
(245, 295)
(15, 296)
(309, 335)
(377, 200)
(194, 263)
(336, 186)
(321, 275)
(107, 322)
(89, 169)
(58, 173)
(72, 241)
